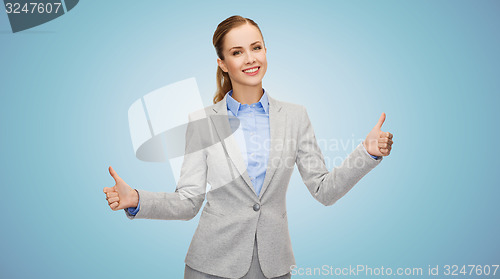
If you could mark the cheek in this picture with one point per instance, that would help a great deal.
(262, 58)
(233, 65)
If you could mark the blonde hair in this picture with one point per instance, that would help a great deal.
(222, 78)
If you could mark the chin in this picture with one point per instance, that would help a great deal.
(251, 84)
(254, 82)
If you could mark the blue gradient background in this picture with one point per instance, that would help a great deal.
(431, 66)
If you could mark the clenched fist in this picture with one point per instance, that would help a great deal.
(378, 143)
(121, 195)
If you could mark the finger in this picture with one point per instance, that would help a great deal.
(112, 200)
(114, 174)
(384, 151)
(114, 195)
(388, 148)
(114, 205)
(380, 121)
(108, 189)
(383, 145)
(384, 135)
(111, 195)
(386, 140)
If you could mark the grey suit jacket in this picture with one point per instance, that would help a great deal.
(234, 214)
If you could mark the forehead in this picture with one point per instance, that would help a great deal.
(243, 36)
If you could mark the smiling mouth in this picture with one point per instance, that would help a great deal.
(251, 71)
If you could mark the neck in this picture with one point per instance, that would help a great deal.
(247, 94)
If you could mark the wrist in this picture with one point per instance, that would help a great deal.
(135, 198)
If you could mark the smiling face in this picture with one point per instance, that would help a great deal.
(244, 56)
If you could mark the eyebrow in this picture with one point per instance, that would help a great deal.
(242, 47)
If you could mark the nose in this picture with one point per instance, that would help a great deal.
(249, 58)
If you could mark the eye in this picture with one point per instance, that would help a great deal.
(236, 52)
(257, 48)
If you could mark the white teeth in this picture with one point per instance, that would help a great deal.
(251, 70)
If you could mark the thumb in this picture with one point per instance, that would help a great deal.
(380, 121)
(114, 174)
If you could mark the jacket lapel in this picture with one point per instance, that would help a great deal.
(220, 119)
(277, 125)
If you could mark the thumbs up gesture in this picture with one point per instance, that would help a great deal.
(378, 143)
(121, 195)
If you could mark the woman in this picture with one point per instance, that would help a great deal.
(245, 146)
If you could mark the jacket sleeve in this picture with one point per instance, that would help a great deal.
(325, 186)
(186, 201)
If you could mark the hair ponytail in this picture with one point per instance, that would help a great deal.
(223, 85)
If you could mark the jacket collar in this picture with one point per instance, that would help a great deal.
(234, 106)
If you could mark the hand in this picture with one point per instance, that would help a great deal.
(121, 195)
(378, 143)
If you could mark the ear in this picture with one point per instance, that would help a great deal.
(222, 65)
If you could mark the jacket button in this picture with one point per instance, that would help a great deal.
(256, 207)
